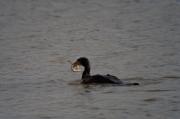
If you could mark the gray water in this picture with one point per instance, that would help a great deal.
(136, 40)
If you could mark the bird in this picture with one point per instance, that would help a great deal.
(87, 78)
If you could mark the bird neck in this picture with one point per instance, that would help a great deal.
(86, 71)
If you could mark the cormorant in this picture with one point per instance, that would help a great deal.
(95, 79)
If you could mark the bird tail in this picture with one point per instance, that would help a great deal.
(132, 84)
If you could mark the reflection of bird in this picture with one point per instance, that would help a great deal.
(87, 78)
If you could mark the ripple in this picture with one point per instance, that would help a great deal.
(151, 99)
(159, 90)
(171, 77)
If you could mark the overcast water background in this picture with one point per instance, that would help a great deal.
(136, 40)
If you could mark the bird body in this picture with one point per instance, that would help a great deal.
(87, 78)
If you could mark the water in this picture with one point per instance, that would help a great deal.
(137, 41)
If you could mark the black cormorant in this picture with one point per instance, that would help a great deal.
(95, 79)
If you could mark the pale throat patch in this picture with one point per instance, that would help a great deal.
(76, 68)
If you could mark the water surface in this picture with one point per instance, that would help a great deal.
(137, 40)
